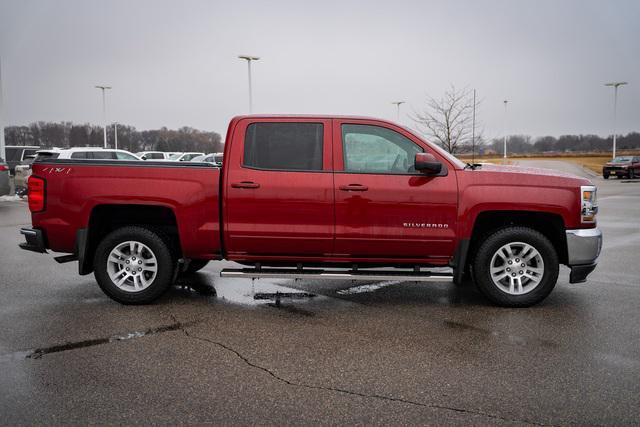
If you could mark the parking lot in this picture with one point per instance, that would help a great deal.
(363, 353)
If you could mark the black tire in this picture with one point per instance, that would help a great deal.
(491, 245)
(632, 174)
(605, 176)
(195, 265)
(159, 248)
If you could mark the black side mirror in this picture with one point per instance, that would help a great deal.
(427, 164)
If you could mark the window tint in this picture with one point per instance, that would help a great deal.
(373, 149)
(13, 154)
(102, 155)
(47, 155)
(155, 156)
(284, 146)
(28, 152)
(188, 157)
(124, 156)
(79, 155)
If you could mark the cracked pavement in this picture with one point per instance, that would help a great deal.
(404, 353)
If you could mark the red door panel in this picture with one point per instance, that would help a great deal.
(399, 216)
(278, 212)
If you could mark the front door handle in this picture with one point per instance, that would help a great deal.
(245, 184)
(354, 187)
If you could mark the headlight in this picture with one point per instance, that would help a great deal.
(589, 203)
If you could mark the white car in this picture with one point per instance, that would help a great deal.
(215, 158)
(154, 155)
(184, 157)
(86, 153)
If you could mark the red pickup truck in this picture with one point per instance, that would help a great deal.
(316, 197)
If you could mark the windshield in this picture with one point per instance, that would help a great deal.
(174, 156)
(621, 160)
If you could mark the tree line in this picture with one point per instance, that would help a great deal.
(68, 134)
(524, 144)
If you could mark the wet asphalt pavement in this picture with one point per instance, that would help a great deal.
(382, 353)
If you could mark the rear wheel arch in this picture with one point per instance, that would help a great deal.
(107, 218)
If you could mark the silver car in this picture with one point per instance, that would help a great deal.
(5, 186)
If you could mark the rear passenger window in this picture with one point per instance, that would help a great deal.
(284, 146)
(79, 155)
(155, 156)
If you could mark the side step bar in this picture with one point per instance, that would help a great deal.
(291, 273)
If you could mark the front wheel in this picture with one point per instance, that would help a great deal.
(516, 267)
(133, 265)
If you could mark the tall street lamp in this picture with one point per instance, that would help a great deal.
(2, 149)
(249, 58)
(615, 107)
(398, 104)
(505, 128)
(104, 112)
(115, 135)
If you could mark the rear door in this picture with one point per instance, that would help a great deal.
(385, 209)
(279, 189)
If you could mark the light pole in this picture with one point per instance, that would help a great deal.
(2, 150)
(104, 112)
(505, 128)
(115, 134)
(473, 130)
(615, 107)
(249, 58)
(398, 104)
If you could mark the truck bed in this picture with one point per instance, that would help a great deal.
(76, 189)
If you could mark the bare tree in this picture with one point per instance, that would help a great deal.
(449, 120)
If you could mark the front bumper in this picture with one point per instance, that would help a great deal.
(583, 248)
(34, 240)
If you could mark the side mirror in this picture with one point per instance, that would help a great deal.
(427, 164)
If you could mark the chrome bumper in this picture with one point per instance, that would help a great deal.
(583, 246)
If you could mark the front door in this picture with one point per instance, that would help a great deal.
(279, 189)
(385, 209)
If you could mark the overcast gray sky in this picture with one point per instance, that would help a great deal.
(174, 63)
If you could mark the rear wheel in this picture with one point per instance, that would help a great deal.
(516, 267)
(133, 265)
(605, 175)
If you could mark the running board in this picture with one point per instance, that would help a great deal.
(290, 273)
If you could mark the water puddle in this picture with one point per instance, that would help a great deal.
(371, 287)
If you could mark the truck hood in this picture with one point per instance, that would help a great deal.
(519, 175)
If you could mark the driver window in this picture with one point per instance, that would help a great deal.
(374, 149)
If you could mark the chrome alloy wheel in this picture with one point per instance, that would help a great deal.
(132, 266)
(517, 268)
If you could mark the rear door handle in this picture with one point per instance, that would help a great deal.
(245, 184)
(354, 187)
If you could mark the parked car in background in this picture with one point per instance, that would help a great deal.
(21, 175)
(86, 153)
(153, 155)
(5, 186)
(622, 166)
(16, 154)
(184, 157)
(214, 158)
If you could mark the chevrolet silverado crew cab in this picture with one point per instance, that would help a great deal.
(316, 197)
